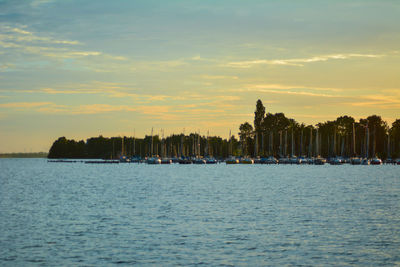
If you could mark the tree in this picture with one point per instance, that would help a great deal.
(378, 131)
(395, 135)
(259, 116)
(258, 120)
(246, 131)
(64, 148)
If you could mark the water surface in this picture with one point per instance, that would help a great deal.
(220, 215)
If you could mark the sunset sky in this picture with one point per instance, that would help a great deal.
(79, 68)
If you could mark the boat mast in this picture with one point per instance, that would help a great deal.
(271, 143)
(388, 146)
(182, 137)
(162, 143)
(301, 143)
(354, 141)
(122, 146)
(334, 142)
(255, 145)
(292, 144)
(151, 144)
(367, 142)
(198, 144)
(280, 144)
(310, 145)
(317, 145)
(230, 143)
(113, 150)
(134, 141)
(285, 142)
(374, 144)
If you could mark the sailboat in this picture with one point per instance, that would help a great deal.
(365, 160)
(355, 160)
(209, 158)
(318, 160)
(284, 159)
(152, 159)
(293, 158)
(123, 158)
(231, 159)
(375, 160)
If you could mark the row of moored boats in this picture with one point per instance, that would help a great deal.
(262, 160)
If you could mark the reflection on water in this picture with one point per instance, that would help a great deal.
(80, 214)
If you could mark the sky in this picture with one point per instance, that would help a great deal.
(80, 69)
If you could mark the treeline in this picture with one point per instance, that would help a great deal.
(269, 135)
(172, 146)
(279, 136)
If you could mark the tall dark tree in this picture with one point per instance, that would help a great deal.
(259, 115)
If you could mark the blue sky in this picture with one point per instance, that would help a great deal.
(83, 68)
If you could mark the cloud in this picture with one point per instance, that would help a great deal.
(298, 93)
(219, 77)
(210, 110)
(24, 104)
(20, 34)
(18, 39)
(100, 108)
(110, 91)
(291, 87)
(117, 90)
(378, 101)
(299, 62)
(287, 91)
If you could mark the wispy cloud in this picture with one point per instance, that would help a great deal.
(19, 34)
(110, 91)
(18, 39)
(297, 93)
(119, 90)
(378, 101)
(99, 108)
(24, 105)
(212, 109)
(284, 90)
(291, 87)
(299, 62)
(219, 77)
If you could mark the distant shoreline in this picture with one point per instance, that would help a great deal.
(24, 155)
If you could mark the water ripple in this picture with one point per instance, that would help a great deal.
(130, 214)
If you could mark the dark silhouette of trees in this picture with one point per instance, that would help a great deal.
(64, 148)
(245, 134)
(272, 134)
(394, 140)
(259, 115)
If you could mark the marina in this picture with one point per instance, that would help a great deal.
(247, 161)
(274, 139)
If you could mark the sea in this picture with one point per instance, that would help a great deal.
(76, 214)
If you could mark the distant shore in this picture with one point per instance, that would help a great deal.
(24, 155)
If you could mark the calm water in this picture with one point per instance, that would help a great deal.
(80, 214)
